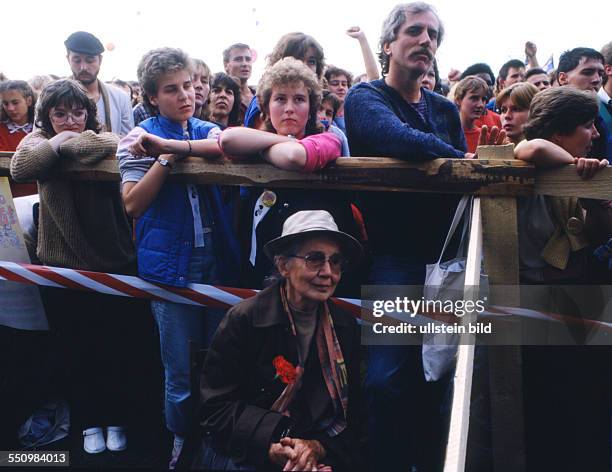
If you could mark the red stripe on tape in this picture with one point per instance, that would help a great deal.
(354, 310)
(57, 278)
(239, 292)
(7, 274)
(106, 279)
(197, 297)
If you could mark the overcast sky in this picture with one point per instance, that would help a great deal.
(476, 31)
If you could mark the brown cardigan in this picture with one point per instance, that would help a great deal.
(82, 225)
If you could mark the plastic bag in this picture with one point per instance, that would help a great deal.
(445, 281)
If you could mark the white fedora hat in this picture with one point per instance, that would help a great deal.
(313, 223)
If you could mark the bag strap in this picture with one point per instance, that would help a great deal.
(459, 212)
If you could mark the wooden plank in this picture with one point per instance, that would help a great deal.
(355, 173)
(501, 260)
(456, 448)
(488, 176)
(565, 182)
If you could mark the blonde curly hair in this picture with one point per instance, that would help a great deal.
(288, 71)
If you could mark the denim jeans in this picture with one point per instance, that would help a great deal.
(178, 324)
(406, 422)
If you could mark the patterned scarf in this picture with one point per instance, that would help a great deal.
(332, 366)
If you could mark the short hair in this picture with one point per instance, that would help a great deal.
(560, 110)
(69, 93)
(569, 60)
(287, 71)
(472, 83)
(221, 79)
(521, 94)
(156, 63)
(296, 45)
(332, 98)
(394, 21)
(535, 71)
(226, 52)
(25, 90)
(200, 64)
(479, 68)
(606, 52)
(333, 70)
(511, 64)
(123, 83)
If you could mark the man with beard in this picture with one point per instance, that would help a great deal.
(84, 54)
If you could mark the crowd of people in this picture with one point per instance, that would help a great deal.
(282, 383)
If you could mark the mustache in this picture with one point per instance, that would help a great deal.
(424, 52)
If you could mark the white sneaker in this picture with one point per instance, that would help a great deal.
(93, 441)
(116, 440)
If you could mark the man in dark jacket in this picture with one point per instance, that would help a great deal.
(395, 117)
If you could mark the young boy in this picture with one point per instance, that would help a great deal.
(339, 82)
(471, 95)
(183, 233)
(330, 104)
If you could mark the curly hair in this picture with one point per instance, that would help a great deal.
(296, 45)
(158, 62)
(560, 110)
(25, 90)
(288, 71)
(70, 94)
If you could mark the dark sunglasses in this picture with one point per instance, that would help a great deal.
(316, 260)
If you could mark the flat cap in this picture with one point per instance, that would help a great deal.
(84, 43)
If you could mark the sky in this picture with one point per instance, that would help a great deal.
(476, 31)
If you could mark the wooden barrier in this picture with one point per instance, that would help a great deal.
(496, 177)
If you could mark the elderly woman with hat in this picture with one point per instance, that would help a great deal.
(280, 383)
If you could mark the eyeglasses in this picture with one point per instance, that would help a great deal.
(316, 260)
(60, 117)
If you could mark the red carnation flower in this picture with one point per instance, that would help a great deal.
(284, 369)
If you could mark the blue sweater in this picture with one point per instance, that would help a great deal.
(380, 123)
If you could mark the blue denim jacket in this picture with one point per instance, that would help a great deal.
(164, 233)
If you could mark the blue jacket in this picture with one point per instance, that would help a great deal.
(380, 123)
(164, 233)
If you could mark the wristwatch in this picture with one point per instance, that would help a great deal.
(164, 162)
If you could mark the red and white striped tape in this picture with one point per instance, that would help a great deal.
(215, 296)
(129, 286)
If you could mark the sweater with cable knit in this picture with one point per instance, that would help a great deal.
(82, 225)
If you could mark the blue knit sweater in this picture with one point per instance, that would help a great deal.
(381, 123)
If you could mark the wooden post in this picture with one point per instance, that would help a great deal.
(501, 261)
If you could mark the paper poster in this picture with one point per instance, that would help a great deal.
(20, 304)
